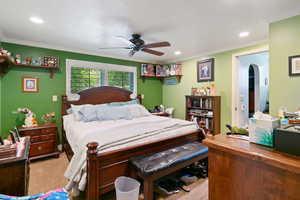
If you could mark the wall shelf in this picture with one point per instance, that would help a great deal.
(178, 77)
(6, 62)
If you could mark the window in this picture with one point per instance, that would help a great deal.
(83, 78)
(82, 75)
(121, 79)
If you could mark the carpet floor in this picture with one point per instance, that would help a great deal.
(48, 174)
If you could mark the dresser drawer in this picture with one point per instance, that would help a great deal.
(41, 138)
(48, 131)
(31, 132)
(42, 148)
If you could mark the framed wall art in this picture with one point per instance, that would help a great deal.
(294, 65)
(205, 70)
(30, 84)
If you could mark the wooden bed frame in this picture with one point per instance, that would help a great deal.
(104, 168)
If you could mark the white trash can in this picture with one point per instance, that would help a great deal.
(127, 188)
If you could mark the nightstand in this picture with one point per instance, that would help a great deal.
(43, 140)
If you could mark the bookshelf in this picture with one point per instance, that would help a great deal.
(207, 111)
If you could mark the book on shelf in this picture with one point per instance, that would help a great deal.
(202, 103)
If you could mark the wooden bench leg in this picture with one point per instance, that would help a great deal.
(148, 189)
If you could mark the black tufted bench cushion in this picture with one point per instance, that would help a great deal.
(151, 167)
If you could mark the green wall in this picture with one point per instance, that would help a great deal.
(284, 42)
(174, 95)
(41, 103)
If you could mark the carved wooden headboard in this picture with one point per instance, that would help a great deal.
(98, 95)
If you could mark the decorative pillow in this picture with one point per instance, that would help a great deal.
(88, 114)
(135, 101)
(76, 109)
(113, 113)
(137, 110)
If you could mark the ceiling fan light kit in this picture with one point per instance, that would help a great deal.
(137, 44)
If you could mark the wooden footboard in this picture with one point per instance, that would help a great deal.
(104, 168)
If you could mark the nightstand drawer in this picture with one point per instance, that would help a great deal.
(42, 148)
(41, 138)
(48, 131)
(31, 132)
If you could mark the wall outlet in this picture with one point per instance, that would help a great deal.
(54, 98)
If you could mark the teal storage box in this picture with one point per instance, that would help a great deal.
(261, 131)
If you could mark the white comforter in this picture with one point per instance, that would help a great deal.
(114, 135)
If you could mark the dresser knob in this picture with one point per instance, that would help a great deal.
(40, 148)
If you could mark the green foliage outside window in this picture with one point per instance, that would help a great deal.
(84, 78)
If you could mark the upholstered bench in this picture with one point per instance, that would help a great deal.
(154, 166)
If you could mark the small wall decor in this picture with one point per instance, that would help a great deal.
(147, 70)
(28, 61)
(205, 70)
(294, 65)
(203, 91)
(175, 69)
(50, 61)
(30, 84)
(18, 59)
(162, 70)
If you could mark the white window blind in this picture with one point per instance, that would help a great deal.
(82, 75)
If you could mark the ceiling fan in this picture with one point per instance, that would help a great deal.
(137, 44)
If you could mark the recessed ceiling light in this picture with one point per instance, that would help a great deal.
(36, 20)
(244, 34)
(177, 52)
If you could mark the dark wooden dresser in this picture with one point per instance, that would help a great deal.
(240, 170)
(14, 173)
(43, 140)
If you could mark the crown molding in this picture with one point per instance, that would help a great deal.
(209, 54)
(73, 50)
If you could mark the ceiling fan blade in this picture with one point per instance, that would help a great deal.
(124, 39)
(157, 53)
(157, 44)
(115, 48)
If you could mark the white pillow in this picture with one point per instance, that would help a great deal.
(76, 109)
(137, 110)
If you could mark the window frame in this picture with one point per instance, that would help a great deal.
(98, 65)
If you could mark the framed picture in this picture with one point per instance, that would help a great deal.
(294, 65)
(205, 70)
(30, 84)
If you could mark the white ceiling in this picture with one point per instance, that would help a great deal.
(195, 27)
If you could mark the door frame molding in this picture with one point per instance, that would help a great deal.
(235, 82)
